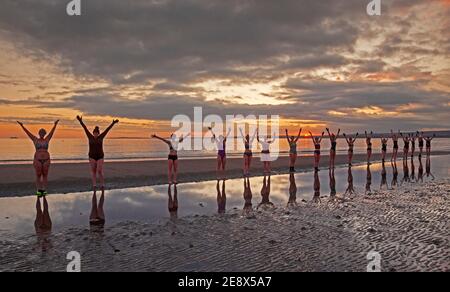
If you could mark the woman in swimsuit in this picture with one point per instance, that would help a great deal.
(172, 159)
(248, 154)
(351, 143)
(333, 140)
(42, 159)
(384, 142)
(413, 138)
(221, 151)
(96, 154)
(406, 141)
(420, 138)
(369, 145)
(394, 138)
(292, 141)
(428, 144)
(265, 152)
(316, 141)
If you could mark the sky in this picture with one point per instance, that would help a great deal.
(313, 63)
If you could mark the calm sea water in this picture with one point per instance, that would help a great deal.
(19, 151)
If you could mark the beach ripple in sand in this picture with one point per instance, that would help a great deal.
(408, 228)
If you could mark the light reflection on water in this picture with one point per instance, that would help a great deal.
(151, 204)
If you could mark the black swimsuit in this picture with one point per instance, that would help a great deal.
(395, 144)
(333, 146)
(317, 149)
(96, 148)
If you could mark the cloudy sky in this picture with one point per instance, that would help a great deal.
(314, 63)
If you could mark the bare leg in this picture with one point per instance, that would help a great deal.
(100, 173)
(38, 170)
(175, 171)
(169, 171)
(45, 171)
(93, 164)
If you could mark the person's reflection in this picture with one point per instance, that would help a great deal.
(420, 171)
(368, 180)
(405, 171)
(394, 182)
(248, 206)
(221, 197)
(332, 184)
(43, 224)
(413, 170)
(97, 217)
(292, 191)
(316, 198)
(265, 194)
(173, 201)
(428, 167)
(350, 191)
(383, 184)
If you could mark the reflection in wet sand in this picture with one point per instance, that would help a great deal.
(221, 197)
(265, 194)
(368, 180)
(413, 171)
(292, 202)
(248, 206)
(316, 198)
(350, 191)
(43, 224)
(420, 171)
(428, 167)
(383, 184)
(405, 171)
(394, 182)
(173, 202)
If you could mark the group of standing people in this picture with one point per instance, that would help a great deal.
(96, 138)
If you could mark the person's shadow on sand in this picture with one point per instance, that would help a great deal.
(43, 224)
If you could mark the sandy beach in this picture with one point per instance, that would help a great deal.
(18, 180)
(407, 226)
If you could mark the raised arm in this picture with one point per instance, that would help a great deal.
(213, 134)
(103, 135)
(337, 135)
(299, 135)
(162, 139)
(346, 139)
(184, 137)
(242, 135)
(31, 136)
(287, 136)
(312, 137)
(228, 134)
(80, 119)
(52, 132)
(320, 140)
(329, 134)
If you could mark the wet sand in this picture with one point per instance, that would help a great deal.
(18, 180)
(407, 226)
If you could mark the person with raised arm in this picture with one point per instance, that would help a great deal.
(221, 143)
(369, 145)
(406, 141)
(412, 138)
(394, 138)
(421, 144)
(96, 153)
(292, 141)
(248, 153)
(42, 159)
(351, 144)
(266, 158)
(172, 159)
(316, 141)
(384, 142)
(428, 144)
(333, 140)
